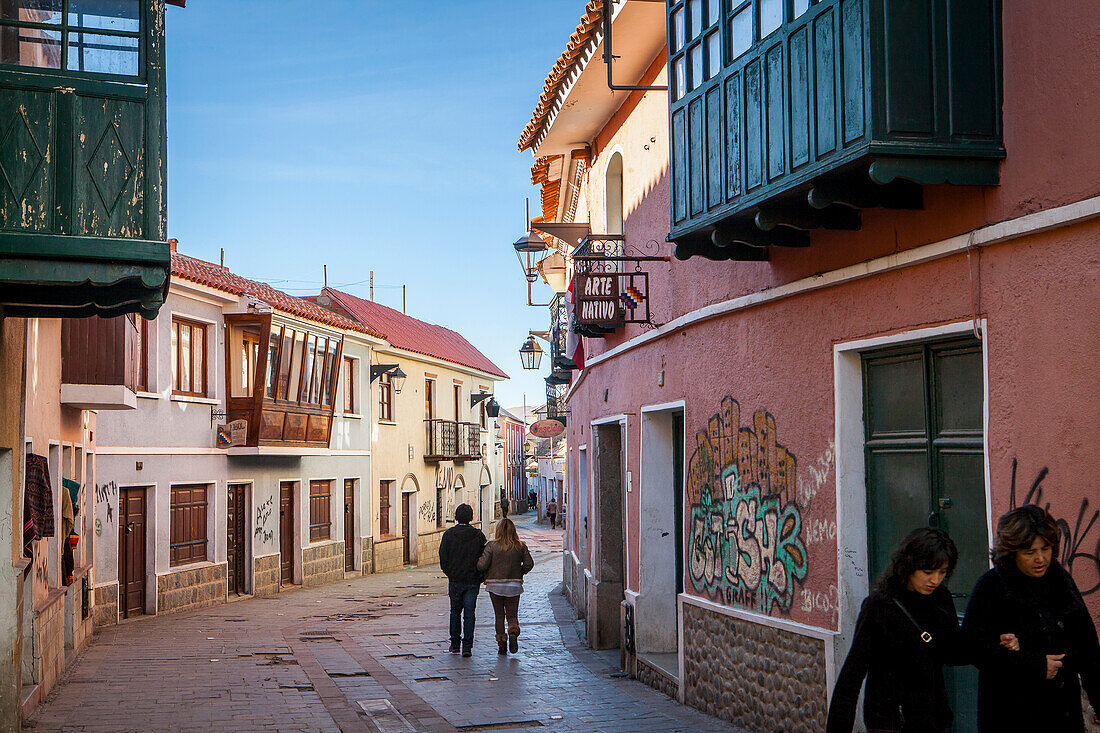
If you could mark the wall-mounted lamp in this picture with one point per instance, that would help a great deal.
(397, 377)
(530, 353)
(492, 407)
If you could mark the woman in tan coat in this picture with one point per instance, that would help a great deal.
(505, 561)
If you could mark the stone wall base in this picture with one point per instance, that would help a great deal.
(388, 555)
(49, 628)
(193, 588)
(427, 548)
(573, 585)
(265, 576)
(657, 678)
(322, 564)
(105, 605)
(367, 555)
(757, 677)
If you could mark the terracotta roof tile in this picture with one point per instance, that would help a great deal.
(587, 29)
(215, 276)
(411, 334)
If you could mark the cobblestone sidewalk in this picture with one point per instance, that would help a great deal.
(369, 654)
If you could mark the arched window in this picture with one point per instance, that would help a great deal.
(613, 194)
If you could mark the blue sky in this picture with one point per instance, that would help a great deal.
(366, 135)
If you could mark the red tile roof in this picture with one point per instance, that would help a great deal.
(587, 29)
(215, 276)
(411, 334)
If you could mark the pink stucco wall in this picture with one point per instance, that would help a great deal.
(1039, 294)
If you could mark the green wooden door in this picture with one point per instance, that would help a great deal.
(923, 414)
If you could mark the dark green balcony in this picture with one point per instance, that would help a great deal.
(788, 116)
(82, 158)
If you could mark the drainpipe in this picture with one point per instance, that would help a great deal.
(609, 56)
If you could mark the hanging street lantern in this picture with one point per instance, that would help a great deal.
(530, 353)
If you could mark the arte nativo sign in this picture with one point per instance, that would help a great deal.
(599, 301)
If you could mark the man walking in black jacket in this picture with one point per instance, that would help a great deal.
(459, 551)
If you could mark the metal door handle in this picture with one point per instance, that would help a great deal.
(945, 503)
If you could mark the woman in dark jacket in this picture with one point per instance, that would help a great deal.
(505, 561)
(1032, 682)
(907, 630)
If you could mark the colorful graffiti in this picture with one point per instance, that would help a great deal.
(1080, 550)
(746, 545)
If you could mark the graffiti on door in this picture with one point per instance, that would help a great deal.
(1079, 553)
(746, 544)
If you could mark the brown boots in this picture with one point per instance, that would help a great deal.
(508, 642)
(502, 644)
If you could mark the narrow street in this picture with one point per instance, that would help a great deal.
(365, 655)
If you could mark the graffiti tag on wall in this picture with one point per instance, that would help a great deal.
(1079, 554)
(746, 545)
(263, 514)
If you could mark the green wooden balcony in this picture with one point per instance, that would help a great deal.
(788, 116)
(82, 158)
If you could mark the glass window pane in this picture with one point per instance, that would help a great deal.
(800, 7)
(103, 54)
(185, 358)
(272, 365)
(741, 32)
(695, 12)
(34, 47)
(114, 15)
(679, 88)
(714, 7)
(771, 16)
(31, 11)
(198, 350)
(175, 356)
(696, 53)
(714, 54)
(677, 30)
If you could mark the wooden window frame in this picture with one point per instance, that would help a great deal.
(320, 510)
(385, 494)
(457, 389)
(177, 324)
(274, 373)
(385, 398)
(188, 541)
(142, 378)
(351, 391)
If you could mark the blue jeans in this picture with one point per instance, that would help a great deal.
(463, 599)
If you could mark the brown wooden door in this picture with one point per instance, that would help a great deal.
(131, 552)
(286, 532)
(405, 539)
(236, 538)
(349, 524)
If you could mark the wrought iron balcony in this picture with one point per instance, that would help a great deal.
(556, 406)
(791, 124)
(448, 440)
(559, 332)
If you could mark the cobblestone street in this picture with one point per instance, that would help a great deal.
(369, 654)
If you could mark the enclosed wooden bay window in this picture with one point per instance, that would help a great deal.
(82, 114)
(298, 369)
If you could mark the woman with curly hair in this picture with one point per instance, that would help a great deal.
(906, 632)
(1033, 638)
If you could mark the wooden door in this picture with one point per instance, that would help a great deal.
(923, 412)
(405, 539)
(286, 532)
(349, 524)
(131, 554)
(236, 538)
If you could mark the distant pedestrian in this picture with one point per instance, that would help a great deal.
(552, 512)
(532, 500)
(906, 632)
(505, 561)
(459, 551)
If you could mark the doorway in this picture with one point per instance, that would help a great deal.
(606, 594)
(925, 466)
(406, 529)
(236, 538)
(131, 551)
(349, 524)
(661, 537)
(286, 532)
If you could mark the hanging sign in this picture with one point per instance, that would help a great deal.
(233, 434)
(547, 428)
(598, 300)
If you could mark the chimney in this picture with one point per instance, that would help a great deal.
(173, 243)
